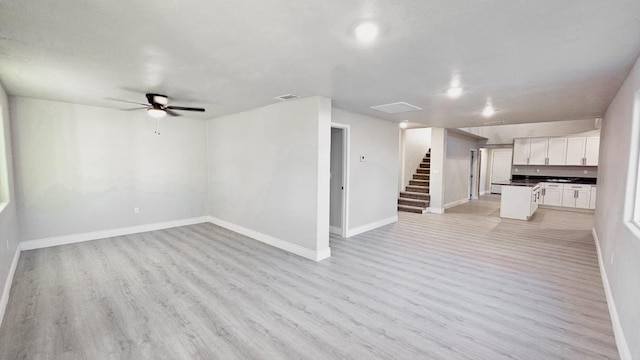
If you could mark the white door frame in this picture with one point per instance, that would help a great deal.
(473, 174)
(346, 144)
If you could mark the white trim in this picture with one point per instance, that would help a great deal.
(346, 166)
(372, 225)
(4, 300)
(275, 242)
(95, 235)
(621, 341)
(456, 203)
(436, 210)
(335, 230)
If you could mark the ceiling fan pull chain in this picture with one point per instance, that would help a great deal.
(157, 132)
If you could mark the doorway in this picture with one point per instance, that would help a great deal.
(339, 180)
(473, 175)
(500, 168)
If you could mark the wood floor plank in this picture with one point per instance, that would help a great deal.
(463, 285)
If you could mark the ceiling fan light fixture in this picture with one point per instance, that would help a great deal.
(156, 112)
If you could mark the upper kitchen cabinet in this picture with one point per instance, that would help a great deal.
(592, 151)
(539, 151)
(583, 150)
(558, 151)
(521, 149)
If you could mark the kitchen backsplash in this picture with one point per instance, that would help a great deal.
(561, 171)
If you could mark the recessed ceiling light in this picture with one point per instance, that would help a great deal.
(367, 31)
(488, 110)
(454, 92)
(455, 89)
(404, 124)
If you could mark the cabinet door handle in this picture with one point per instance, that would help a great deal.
(544, 192)
(546, 161)
(527, 161)
(575, 194)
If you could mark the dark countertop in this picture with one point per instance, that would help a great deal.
(520, 180)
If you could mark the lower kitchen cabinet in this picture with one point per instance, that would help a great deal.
(576, 196)
(551, 194)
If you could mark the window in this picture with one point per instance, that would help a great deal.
(4, 175)
(632, 206)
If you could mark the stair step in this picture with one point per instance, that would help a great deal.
(419, 182)
(411, 209)
(426, 159)
(414, 195)
(421, 176)
(416, 188)
(423, 170)
(413, 202)
(424, 165)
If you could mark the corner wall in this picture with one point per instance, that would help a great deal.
(269, 174)
(619, 245)
(373, 184)
(9, 226)
(457, 164)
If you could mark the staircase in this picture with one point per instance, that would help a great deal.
(415, 198)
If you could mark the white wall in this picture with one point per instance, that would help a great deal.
(265, 168)
(373, 183)
(416, 144)
(83, 168)
(9, 229)
(457, 164)
(436, 178)
(615, 237)
(504, 134)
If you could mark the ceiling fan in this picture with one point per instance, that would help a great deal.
(158, 106)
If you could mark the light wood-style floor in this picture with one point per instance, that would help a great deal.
(463, 285)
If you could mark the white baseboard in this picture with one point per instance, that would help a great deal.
(371, 226)
(621, 341)
(482, 192)
(335, 230)
(4, 300)
(456, 203)
(95, 235)
(275, 242)
(436, 210)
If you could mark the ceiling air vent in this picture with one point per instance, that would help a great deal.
(397, 107)
(287, 97)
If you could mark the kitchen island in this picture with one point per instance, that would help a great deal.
(519, 199)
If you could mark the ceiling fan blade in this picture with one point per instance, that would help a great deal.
(135, 108)
(171, 113)
(182, 108)
(127, 101)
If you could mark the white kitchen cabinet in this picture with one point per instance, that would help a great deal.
(592, 150)
(552, 194)
(519, 202)
(575, 150)
(592, 198)
(521, 150)
(538, 151)
(576, 196)
(557, 151)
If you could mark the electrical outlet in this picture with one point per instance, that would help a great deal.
(586, 171)
(136, 210)
(516, 169)
(537, 170)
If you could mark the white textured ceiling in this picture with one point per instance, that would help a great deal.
(538, 60)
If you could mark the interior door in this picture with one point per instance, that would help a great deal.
(500, 167)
